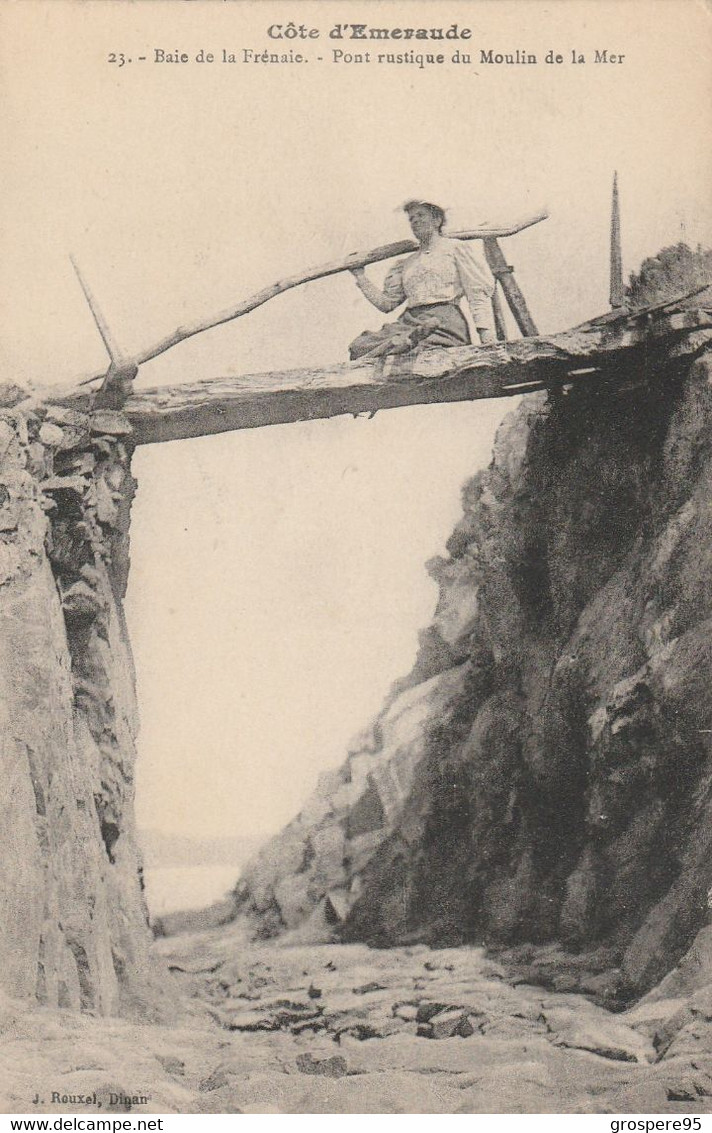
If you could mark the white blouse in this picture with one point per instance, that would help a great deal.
(443, 273)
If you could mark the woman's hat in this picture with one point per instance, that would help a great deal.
(407, 205)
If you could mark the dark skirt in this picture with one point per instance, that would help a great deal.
(437, 324)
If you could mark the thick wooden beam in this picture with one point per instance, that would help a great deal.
(435, 376)
(634, 346)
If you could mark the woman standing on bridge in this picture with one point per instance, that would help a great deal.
(431, 283)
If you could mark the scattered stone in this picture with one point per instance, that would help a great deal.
(62, 415)
(104, 446)
(39, 461)
(280, 1015)
(408, 1012)
(360, 1031)
(314, 992)
(616, 1053)
(447, 1024)
(427, 1010)
(73, 438)
(21, 423)
(334, 1067)
(111, 422)
(507, 1026)
(84, 463)
(197, 971)
(682, 1093)
(11, 394)
(365, 989)
(115, 476)
(313, 1025)
(7, 436)
(51, 435)
(76, 484)
(106, 508)
(81, 599)
(583, 1026)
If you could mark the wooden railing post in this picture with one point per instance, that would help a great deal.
(505, 274)
(498, 311)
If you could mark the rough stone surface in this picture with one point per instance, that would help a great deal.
(542, 776)
(315, 863)
(540, 782)
(254, 1041)
(74, 927)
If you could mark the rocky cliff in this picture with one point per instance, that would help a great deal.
(542, 777)
(539, 782)
(74, 927)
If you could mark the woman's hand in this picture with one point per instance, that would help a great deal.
(373, 293)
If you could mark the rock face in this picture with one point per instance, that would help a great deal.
(539, 782)
(74, 927)
(313, 867)
(542, 775)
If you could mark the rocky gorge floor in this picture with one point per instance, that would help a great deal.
(326, 1028)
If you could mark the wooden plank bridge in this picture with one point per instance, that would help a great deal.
(623, 347)
(617, 348)
(584, 354)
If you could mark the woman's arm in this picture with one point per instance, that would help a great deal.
(392, 295)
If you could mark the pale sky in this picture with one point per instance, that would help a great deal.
(278, 578)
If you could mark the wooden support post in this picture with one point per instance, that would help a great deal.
(498, 311)
(101, 324)
(505, 274)
(118, 379)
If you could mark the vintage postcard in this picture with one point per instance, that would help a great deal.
(355, 458)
